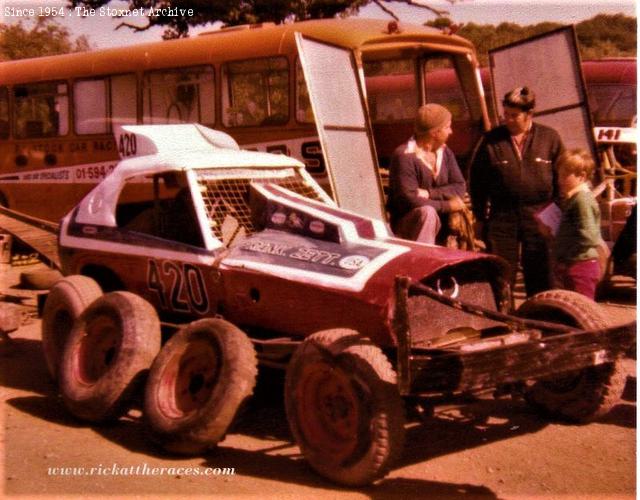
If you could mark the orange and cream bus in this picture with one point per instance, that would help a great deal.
(293, 88)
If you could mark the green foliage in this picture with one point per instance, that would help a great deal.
(45, 38)
(234, 12)
(604, 35)
(609, 32)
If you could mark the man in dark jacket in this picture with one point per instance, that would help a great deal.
(425, 181)
(513, 176)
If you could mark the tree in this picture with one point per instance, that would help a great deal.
(604, 35)
(177, 16)
(45, 38)
(608, 35)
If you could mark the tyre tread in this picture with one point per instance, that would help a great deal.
(602, 386)
(108, 397)
(388, 441)
(74, 293)
(207, 427)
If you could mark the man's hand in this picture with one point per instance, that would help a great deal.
(423, 193)
(456, 204)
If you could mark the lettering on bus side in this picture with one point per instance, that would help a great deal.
(307, 150)
(311, 153)
(179, 287)
(107, 145)
(61, 147)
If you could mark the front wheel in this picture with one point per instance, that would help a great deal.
(343, 407)
(588, 393)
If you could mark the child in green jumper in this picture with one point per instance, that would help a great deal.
(575, 249)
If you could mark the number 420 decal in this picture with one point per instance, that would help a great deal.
(180, 288)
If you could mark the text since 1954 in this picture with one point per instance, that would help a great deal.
(104, 11)
(32, 12)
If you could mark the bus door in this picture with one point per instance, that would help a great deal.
(549, 64)
(338, 103)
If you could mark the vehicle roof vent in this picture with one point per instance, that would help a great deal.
(239, 27)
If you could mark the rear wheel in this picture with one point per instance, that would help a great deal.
(586, 394)
(196, 385)
(68, 298)
(108, 354)
(344, 408)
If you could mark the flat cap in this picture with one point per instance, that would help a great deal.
(431, 116)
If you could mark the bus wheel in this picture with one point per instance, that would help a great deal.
(585, 394)
(202, 376)
(65, 302)
(344, 408)
(107, 355)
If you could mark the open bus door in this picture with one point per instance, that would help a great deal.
(550, 65)
(338, 103)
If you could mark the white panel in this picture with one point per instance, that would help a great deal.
(334, 83)
(356, 182)
(336, 97)
(546, 65)
(573, 124)
(550, 66)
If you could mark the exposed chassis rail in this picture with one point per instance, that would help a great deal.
(532, 349)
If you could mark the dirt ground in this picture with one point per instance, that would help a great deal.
(482, 449)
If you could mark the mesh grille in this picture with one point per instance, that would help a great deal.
(227, 203)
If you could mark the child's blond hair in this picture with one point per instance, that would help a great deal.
(577, 161)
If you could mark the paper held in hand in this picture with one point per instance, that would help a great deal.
(550, 217)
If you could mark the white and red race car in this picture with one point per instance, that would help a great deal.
(252, 263)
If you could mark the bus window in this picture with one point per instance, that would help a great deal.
(256, 92)
(181, 95)
(392, 90)
(41, 110)
(124, 99)
(90, 106)
(4, 113)
(91, 100)
(304, 112)
(442, 86)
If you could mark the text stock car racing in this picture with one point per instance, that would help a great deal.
(250, 261)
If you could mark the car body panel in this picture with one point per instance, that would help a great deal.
(301, 264)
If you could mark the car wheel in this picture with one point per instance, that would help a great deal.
(68, 298)
(107, 355)
(197, 384)
(588, 393)
(343, 407)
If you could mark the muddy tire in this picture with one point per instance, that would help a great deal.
(43, 279)
(344, 408)
(579, 396)
(200, 379)
(66, 301)
(107, 355)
